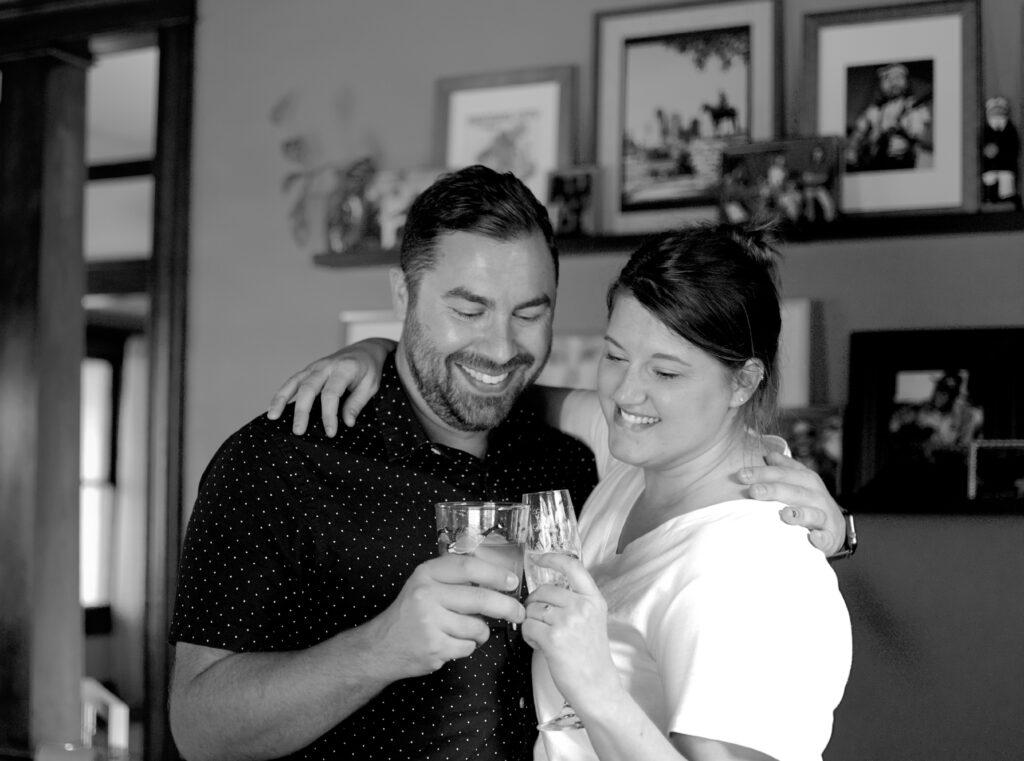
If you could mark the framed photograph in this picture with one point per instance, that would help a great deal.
(794, 181)
(919, 401)
(900, 83)
(815, 438)
(520, 121)
(995, 469)
(573, 197)
(675, 86)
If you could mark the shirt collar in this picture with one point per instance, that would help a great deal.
(404, 434)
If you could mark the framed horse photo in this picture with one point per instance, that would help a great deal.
(676, 86)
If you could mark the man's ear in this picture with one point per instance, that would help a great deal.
(399, 292)
(746, 380)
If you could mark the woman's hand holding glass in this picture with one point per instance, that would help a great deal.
(570, 627)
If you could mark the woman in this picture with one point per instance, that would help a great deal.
(676, 637)
(674, 640)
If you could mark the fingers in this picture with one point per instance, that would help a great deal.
(810, 518)
(283, 396)
(821, 535)
(358, 397)
(468, 569)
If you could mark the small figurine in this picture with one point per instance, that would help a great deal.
(1000, 154)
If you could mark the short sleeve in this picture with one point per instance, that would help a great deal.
(757, 654)
(239, 582)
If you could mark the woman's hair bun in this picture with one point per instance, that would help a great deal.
(758, 238)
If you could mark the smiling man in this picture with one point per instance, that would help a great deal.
(313, 617)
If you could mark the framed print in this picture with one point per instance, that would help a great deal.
(795, 182)
(815, 439)
(901, 85)
(995, 469)
(519, 121)
(573, 199)
(919, 402)
(675, 86)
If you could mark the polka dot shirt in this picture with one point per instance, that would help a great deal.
(295, 538)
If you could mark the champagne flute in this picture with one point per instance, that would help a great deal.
(551, 527)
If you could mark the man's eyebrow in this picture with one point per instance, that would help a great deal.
(460, 292)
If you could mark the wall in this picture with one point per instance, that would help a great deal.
(361, 74)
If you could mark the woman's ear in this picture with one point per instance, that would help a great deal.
(746, 380)
(399, 292)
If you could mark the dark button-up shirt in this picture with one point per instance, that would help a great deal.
(295, 538)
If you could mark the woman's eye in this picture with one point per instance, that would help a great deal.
(665, 374)
(613, 357)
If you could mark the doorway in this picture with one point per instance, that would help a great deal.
(134, 312)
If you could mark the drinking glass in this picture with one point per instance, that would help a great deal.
(551, 527)
(492, 531)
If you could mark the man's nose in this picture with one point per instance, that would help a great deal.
(498, 342)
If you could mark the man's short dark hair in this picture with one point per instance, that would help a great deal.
(475, 200)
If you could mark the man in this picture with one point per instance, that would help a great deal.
(895, 130)
(313, 617)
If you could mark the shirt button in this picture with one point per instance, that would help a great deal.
(522, 702)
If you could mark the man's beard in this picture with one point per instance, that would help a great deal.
(455, 405)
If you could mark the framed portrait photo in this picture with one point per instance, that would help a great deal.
(921, 404)
(794, 182)
(676, 85)
(573, 198)
(900, 84)
(520, 121)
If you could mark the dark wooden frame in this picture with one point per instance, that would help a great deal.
(607, 79)
(876, 357)
(970, 110)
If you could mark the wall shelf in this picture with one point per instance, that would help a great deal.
(847, 228)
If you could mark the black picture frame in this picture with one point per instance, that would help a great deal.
(887, 464)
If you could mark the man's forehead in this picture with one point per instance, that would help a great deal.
(479, 263)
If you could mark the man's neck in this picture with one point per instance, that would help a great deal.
(473, 442)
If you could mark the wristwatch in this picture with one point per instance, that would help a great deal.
(850, 541)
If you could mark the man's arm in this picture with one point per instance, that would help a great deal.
(233, 706)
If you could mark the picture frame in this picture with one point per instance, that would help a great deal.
(659, 143)
(815, 439)
(795, 182)
(901, 84)
(996, 469)
(918, 400)
(573, 200)
(521, 121)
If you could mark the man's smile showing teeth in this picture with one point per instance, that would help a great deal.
(490, 380)
(637, 419)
